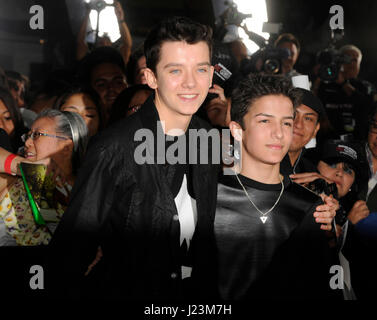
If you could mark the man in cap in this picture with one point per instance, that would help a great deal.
(305, 127)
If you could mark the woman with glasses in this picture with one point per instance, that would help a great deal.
(63, 137)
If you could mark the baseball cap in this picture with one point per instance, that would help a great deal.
(351, 152)
(313, 102)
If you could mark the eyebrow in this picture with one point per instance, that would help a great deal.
(180, 64)
(271, 116)
(86, 107)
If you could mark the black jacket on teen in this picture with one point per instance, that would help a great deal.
(128, 210)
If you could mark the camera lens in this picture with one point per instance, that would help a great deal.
(271, 66)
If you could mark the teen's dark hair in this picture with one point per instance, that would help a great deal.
(77, 89)
(19, 128)
(96, 57)
(174, 29)
(256, 86)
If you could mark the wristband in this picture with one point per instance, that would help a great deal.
(8, 162)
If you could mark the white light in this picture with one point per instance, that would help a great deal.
(108, 22)
(258, 10)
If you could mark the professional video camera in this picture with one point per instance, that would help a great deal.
(330, 60)
(266, 60)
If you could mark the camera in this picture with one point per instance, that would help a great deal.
(98, 5)
(319, 186)
(330, 60)
(266, 60)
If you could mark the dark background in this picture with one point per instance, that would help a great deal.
(36, 52)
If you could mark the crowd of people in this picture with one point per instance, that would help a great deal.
(107, 225)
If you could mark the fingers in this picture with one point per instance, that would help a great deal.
(331, 201)
(308, 177)
(326, 227)
(304, 177)
(218, 90)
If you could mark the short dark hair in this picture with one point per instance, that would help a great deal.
(96, 57)
(287, 37)
(255, 86)
(174, 29)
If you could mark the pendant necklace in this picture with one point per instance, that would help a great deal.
(263, 214)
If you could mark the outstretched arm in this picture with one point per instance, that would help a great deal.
(82, 47)
(125, 34)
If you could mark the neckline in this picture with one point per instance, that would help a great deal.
(250, 183)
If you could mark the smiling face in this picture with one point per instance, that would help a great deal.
(341, 173)
(109, 81)
(43, 147)
(183, 77)
(268, 130)
(6, 121)
(305, 127)
(86, 108)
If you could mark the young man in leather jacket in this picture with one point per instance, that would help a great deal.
(271, 243)
(153, 219)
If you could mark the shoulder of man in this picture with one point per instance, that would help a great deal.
(199, 123)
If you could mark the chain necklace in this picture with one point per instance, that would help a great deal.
(264, 214)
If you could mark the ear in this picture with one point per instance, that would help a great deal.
(236, 130)
(150, 78)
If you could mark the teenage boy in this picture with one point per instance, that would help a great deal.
(269, 242)
(153, 221)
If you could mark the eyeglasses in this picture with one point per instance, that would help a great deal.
(35, 135)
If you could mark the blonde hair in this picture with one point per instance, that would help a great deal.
(349, 47)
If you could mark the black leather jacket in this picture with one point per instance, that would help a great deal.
(129, 211)
(287, 257)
